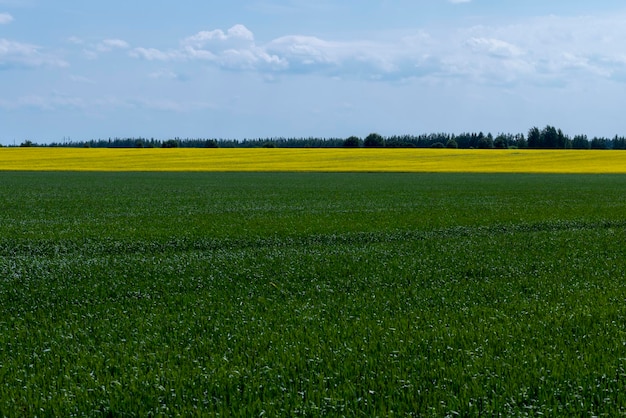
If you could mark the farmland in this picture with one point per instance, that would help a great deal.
(285, 294)
(314, 160)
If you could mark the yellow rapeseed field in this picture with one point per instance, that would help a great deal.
(309, 159)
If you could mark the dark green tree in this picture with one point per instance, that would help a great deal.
(484, 142)
(374, 140)
(619, 142)
(534, 138)
(170, 143)
(549, 137)
(599, 143)
(352, 142)
(451, 144)
(580, 142)
(520, 141)
(501, 142)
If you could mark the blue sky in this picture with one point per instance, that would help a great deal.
(264, 68)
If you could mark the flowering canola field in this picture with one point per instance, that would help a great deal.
(315, 160)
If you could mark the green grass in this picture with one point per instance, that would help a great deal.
(312, 294)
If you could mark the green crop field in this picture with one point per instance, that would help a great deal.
(312, 294)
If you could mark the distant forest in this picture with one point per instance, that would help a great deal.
(546, 138)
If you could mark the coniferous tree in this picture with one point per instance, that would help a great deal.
(580, 142)
(534, 138)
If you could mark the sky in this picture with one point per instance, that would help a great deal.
(80, 70)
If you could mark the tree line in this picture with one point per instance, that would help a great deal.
(546, 138)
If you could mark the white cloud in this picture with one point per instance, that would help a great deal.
(56, 101)
(5, 18)
(21, 55)
(234, 49)
(111, 44)
(494, 47)
(559, 50)
(535, 50)
(169, 105)
(236, 37)
(166, 74)
(93, 51)
(153, 54)
(306, 50)
(367, 59)
(75, 40)
(48, 103)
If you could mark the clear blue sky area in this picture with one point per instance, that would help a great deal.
(263, 68)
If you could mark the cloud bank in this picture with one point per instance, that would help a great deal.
(542, 50)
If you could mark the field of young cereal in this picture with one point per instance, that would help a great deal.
(283, 294)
